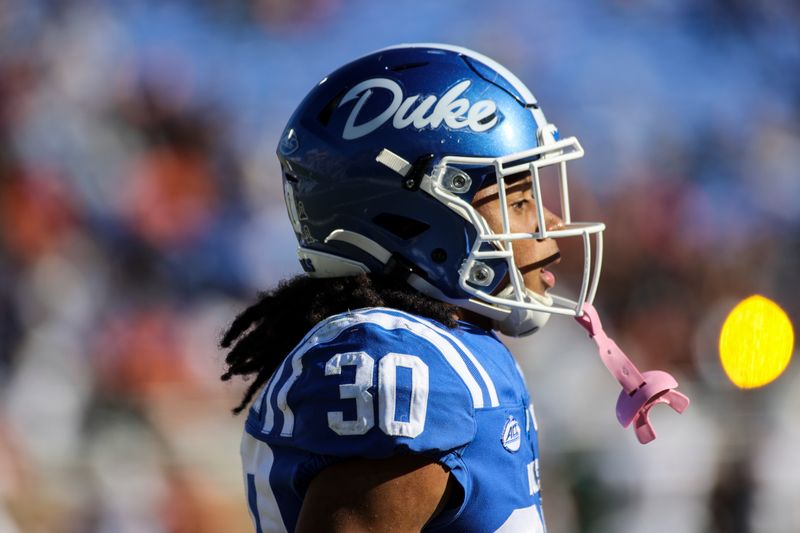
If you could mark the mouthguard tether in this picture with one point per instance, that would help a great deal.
(640, 391)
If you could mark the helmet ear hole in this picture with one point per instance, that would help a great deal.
(438, 255)
(403, 227)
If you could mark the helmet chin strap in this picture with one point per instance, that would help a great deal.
(523, 322)
(513, 322)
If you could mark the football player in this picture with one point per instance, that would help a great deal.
(382, 399)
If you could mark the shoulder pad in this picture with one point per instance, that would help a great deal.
(372, 383)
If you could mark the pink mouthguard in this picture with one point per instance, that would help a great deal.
(640, 391)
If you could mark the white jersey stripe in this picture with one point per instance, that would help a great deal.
(269, 416)
(257, 458)
(527, 520)
(332, 328)
(436, 336)
(487, 381)
(325, 331)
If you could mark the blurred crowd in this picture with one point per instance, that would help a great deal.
(141, 208)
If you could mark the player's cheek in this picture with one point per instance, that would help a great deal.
(526, 219)
(520, 220)
(525, 253)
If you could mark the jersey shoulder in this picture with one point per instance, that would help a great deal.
(373, 382)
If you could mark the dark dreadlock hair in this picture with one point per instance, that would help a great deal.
(264, 333)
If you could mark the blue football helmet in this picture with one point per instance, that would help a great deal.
(381, 162)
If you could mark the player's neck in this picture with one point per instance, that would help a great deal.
(474, 319)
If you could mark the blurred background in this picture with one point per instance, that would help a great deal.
(141, 208)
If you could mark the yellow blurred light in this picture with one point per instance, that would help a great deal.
(756, 342)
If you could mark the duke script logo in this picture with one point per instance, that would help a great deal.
(451, 109)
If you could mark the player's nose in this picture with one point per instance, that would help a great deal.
(552, 222)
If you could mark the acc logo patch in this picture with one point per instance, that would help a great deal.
(512, 435)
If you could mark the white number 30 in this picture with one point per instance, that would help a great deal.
(358, 390)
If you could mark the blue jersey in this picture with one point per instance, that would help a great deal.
(378, 382)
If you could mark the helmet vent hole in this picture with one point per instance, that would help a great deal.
(407, 66)
(487, 119)
(324, 116)
(403, 227)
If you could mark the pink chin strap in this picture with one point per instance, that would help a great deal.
(640, 391)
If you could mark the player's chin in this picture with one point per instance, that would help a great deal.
(534, 283)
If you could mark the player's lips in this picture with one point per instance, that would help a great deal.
(548, 278)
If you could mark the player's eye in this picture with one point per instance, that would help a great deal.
(518, 205)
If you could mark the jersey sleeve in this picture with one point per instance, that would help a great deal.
(370, 385)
